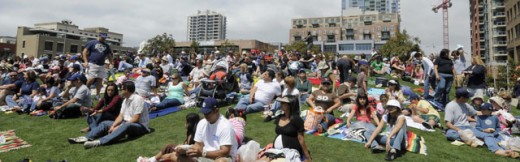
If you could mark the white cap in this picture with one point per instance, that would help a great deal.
(393, 103)
(459, 47)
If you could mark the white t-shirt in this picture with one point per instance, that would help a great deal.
(294, 92)
(135, 105)
(218, 134)
(265, 92)
(197, 73)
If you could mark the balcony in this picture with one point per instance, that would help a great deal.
(499, 34)
(498, 5)
(499, 14)
(499, 43)
(499, 24)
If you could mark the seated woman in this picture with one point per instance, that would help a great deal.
(107, 108)
(394, 91)
(394, 138)
(168, 153)
(303, 85)
(418, 74)
(246, 80)
(487, 128)
(397, 66)
(363, 112)
(289, 128)
(423, 112)
(377, 66)
(175, 94)
(23, 99)
(289, 90)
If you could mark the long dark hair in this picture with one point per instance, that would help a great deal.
(192, 119)
(107, 98)
(445, 54)
(391, 118)
(365, 106)
(294, 106)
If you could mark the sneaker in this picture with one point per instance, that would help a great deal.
(91, 144)
(81, 139)
(390, 155)
(427, 125)
(378, 149)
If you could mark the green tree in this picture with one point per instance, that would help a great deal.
(194, 47)
(301, 47)
(401, 44)
(160, 43)
(226, 46)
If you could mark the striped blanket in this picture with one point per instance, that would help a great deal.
(414, 143)
(12, 142)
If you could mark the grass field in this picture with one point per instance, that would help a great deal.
(48, 138)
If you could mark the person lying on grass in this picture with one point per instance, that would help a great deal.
(424, 113)
(363, 112)
(107, 108)
(132, 121)
(192, 119)
(395, 138)
(487, 129)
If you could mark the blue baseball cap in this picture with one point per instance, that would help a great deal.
(463, 92)
(486, 106)
(414, 96)
(208, 105)
(77, 76)
(103, 35)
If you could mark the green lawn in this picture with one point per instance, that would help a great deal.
(48, 138)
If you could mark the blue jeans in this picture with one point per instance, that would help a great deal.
(10, 102)
(168, 103)
(132, 129)
(443, 88)
(123, 66)
(453, 135)
(33, 106)
(491, 140)
(426, 86)
(244, 104)
(303, 99)
(397, 142)
(94, 121)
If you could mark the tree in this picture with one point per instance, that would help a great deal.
(301, 46)
(226, 46)
(160, 43)
(401, 45)
(194, 47)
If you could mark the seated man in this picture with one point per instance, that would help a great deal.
(78, 94)
(132, 121)
(262, 94)
(215, 138)
(9, 88)
(146, 83)
(423, 112)
(346, 93)
(456, 115)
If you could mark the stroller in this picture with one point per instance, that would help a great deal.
(220, 87)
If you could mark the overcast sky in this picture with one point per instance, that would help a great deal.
(265, 20)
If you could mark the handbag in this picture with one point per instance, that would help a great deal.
(312, 119)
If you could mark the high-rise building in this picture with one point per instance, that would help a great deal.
(488, 30)
(206, 25)
(355, 7)
(513, 28)
(354, 34)
(52, 38)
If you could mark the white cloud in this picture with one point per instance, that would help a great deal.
(265, 20)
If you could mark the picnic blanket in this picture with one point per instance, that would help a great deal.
(414, 143)
(162, 112)
(12, 142)
(411, 123)
(376, 91)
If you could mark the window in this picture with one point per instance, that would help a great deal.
(329, 48)
(346, 47)
(74, 49)
(59, 47)
(48, 46)
(363, 47)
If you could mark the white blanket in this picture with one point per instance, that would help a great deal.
(411, 123)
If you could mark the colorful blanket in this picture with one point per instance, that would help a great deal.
(12, 142)
(414, 143)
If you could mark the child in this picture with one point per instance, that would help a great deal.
(246, 80)
(396, 126)
(238, 121)
(383, 99)
(192, 119)
(394, 91)
(506, 119)
(42, 94)
(424, 113)
(487, 129)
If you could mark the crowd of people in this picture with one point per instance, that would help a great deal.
(279, 83)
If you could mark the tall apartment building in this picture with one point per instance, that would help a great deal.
(513, 28)
(355, 7)
(52, 38)
(488, 30)
(353, 34)
(206, 25)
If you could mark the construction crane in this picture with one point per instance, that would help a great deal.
(444, 6)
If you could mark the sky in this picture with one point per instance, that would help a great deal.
(264, 20)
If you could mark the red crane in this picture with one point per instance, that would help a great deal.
(444, 6)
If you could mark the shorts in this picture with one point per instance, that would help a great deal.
(96, 71)
(203, 159)
(427, 117)
(459, 80)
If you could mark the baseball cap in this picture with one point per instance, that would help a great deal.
(393, 103)
(208, 105)
(302, 71)
(283, 99)
(394, 82)
(463, 92)
(414, 96)
(486, 106)
(325, 81)
(76, 77)
(103, 35)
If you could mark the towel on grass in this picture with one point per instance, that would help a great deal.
(411, 123)
(12, 142)
(162, 112)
